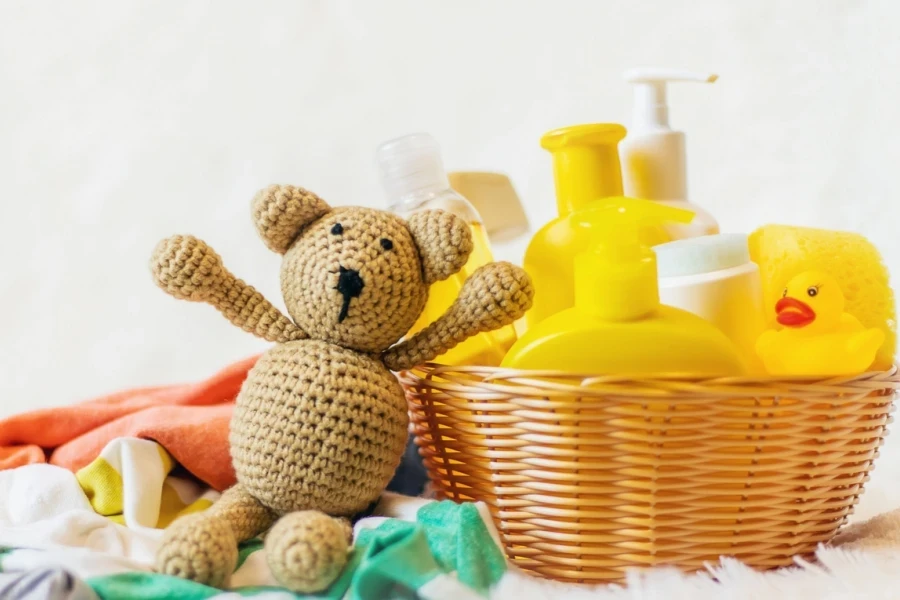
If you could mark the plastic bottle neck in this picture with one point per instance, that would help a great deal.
(617, 288)
(651, 112)
(574, 191)
(412, 170)
(412, 201)
(586, 164)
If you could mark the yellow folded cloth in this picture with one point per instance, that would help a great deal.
(131, 483)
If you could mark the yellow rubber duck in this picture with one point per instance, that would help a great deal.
(818, 338)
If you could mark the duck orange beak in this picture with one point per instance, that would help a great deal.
(794, 313)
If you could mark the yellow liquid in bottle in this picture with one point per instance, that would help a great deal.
(485, 349)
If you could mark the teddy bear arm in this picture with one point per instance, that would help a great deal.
(246, 307)
(189, 269)
(494, 296)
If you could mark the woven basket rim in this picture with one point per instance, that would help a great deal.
(497, 380)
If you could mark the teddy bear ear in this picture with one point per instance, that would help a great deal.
(444, 241)
(280, 212)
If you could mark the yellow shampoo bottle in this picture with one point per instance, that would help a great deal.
(586, 169)
(414, 178)
(617, 324)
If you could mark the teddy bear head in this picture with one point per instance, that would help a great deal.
(357, 277)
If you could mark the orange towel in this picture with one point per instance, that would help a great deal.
(190, 421)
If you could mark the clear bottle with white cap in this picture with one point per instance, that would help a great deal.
(413, 176)
(654, 162)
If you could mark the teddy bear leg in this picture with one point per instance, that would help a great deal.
(202, 547)
(307, 550)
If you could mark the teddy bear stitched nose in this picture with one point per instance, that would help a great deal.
(350, 285)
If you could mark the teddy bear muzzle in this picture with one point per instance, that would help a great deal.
(350, 285)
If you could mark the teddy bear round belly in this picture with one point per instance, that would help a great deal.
(318, 426)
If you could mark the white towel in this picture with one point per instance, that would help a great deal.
(37, 492)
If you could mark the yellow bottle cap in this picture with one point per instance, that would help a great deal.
(586, 163)
(617, 279)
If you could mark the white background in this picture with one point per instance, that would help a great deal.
(123, 122)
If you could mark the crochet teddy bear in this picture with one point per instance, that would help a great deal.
(321, 422)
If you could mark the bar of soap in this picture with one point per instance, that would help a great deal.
(495, 199)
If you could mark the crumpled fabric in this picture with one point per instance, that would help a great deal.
(47, 584)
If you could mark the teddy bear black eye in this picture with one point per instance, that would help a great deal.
(338, 229)
(387, 244)
(812, 292)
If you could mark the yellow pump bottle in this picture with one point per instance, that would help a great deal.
(586, 169)
(617, 324)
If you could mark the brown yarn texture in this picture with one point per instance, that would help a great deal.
(203, 546)
(321, 422)
(335, 424)
(188, 269)
(490, 299)
(307, 550)
(281, 211)
(446, 242)
(393, 296)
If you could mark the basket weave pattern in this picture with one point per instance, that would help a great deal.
(587, 477)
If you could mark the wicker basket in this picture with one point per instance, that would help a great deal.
(589, 476)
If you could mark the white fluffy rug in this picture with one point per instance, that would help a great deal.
(836, 573)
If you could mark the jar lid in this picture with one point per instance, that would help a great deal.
(705, 254)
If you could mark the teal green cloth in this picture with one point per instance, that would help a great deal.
(400, 556)
(393, 560)
(152, 586)
(460, 541)
(245, 549)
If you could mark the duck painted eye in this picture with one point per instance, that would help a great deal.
(784, 293)
(812, 292)
(338, 229)
(387, 244)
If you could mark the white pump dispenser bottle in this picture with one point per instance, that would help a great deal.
(654, 163)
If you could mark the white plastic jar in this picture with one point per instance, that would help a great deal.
(714, 278)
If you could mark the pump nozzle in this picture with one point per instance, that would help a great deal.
(653, 156)
(617, 278)
(586, 163)
(650, 107)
